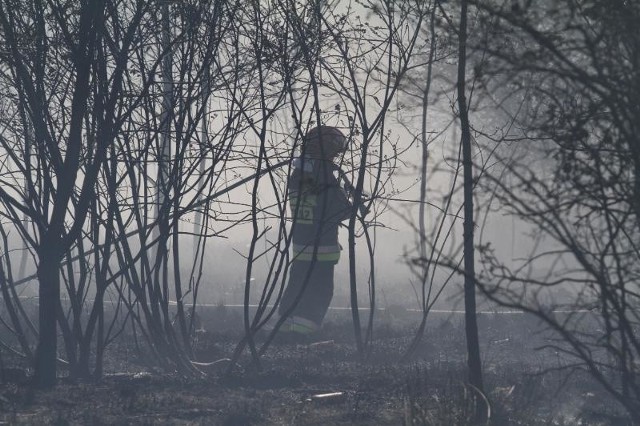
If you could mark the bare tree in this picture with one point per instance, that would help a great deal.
(474, 364)
(382, 70)
(171, 170)
(86, 49)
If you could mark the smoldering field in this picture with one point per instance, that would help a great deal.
(526, 383)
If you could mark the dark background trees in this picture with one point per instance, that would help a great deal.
(571, 71)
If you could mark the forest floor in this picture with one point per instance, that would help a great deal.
(326, 383)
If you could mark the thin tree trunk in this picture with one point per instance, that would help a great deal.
(49, 296)
(100, 340)
(422, 215)
(471, 327)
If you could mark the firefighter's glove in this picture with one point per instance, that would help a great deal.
(363, 207)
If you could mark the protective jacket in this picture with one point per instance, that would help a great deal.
(318, 205)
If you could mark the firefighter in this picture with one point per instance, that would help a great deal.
(318, 204)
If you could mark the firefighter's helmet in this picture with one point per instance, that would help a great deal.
(324, 142)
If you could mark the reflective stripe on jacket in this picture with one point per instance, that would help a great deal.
(330, 253)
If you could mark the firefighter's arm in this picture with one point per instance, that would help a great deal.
(346, 194)
(343, 203)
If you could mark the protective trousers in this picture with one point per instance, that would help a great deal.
(314, 295)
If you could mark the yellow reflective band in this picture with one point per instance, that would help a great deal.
(299, 325)
(320, 257)
(299, 328)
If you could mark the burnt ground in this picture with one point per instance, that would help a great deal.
(521, 382)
